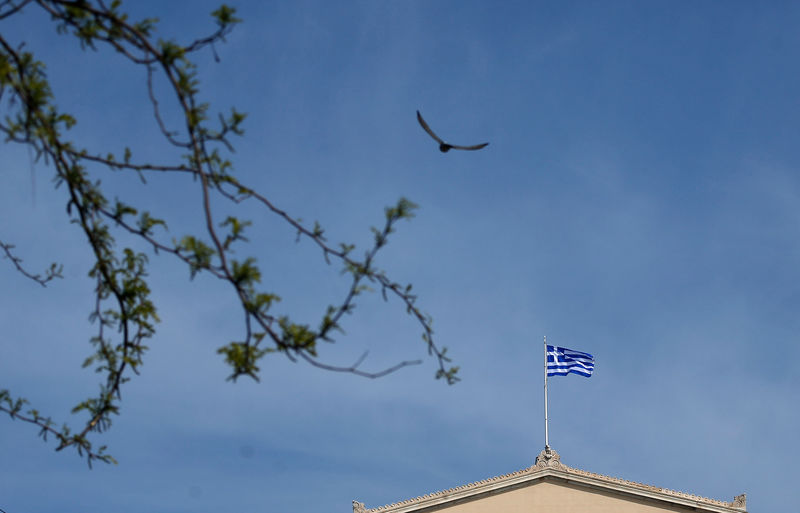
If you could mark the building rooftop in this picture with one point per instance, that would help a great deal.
(548, 466)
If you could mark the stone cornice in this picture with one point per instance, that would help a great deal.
(548, 466)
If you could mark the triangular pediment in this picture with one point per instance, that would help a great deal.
(552, 487)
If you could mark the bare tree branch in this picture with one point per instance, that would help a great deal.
(53, 272)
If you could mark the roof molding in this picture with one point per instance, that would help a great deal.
(548, 466)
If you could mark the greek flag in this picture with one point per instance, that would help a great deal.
(561, 361)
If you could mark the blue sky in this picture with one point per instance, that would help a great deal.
(639, 200)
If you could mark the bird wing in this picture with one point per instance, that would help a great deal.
(428, 129)
(474, 147)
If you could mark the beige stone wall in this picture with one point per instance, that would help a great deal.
(548, 497)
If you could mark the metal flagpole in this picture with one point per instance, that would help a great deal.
(546, 434)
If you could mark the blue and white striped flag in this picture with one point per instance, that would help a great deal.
(561, 361)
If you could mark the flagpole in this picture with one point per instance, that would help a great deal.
(546, 434)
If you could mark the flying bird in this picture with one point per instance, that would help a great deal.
(443, 146)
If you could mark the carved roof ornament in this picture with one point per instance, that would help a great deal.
(740, 501)
(548, 458)
(359, 507)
